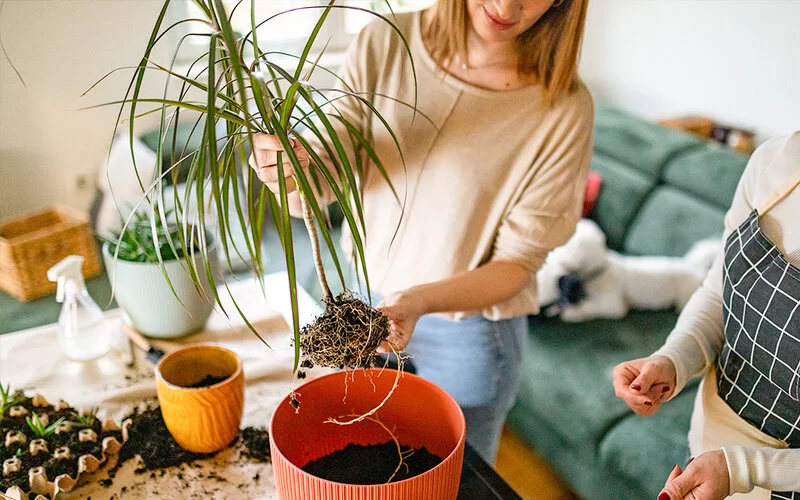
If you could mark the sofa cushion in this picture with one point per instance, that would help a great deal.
(709, 173)
(639, 143)
(623, 192)
(566, 393)
(670, 222)
(643, 451)
(579, 402)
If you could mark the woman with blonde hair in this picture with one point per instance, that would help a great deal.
(492, 181)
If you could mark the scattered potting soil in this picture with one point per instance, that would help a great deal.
(372, 464)
(149, 438)
(208, 381)
(30, 461)
(78, 447)
(19, 478)
(55, 467)
(254, 443)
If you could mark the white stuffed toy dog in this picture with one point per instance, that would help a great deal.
(587, 280)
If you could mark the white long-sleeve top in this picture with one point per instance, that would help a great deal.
(755, 460)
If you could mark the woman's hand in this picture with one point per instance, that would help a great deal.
(645, 383)
(264, 160)
(705, 478)
(403, 310)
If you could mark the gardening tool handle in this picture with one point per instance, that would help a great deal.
(136, 337)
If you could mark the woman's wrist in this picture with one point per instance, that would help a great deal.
(416, 299)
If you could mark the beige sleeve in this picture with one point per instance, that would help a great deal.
(696, 342)
(545, 215)
(776, 470)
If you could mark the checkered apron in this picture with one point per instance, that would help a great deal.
(759, 368)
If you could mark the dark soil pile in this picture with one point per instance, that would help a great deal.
(346, 335)
(208, 381)
(253, 443)
(149, 438)
(372, 464)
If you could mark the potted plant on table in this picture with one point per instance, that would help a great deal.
(243, 91)
(160, 293)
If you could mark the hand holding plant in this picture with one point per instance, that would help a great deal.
(265, 157)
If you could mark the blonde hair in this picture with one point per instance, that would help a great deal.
(548, 50)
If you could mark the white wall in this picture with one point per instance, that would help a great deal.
(736, 60)
(49, 150)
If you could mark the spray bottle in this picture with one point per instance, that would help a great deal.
(81, 327)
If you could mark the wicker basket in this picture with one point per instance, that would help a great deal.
(32, 243)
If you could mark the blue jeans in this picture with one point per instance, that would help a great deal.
(479, 363)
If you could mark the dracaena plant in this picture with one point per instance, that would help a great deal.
(245, 93)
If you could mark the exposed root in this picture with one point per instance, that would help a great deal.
(380, 405)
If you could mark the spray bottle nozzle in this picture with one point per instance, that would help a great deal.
(67, 271)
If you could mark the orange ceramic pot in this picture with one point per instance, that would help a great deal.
(201, 419)
(419, 412)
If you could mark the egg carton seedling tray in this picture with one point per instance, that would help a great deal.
(57, 451)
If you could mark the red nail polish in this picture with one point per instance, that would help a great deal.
(665, 389)
(648, 403)
(636, 387)
(663, 496)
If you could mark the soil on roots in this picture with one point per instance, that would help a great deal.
(346, 335)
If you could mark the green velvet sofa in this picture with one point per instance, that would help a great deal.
(663, 190)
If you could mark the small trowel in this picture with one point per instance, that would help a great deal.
(152, 354)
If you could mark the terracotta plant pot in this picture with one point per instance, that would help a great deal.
(419, 413)
(201, 419)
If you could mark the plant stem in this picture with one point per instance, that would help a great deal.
(308, 218)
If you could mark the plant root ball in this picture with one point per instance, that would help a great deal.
(346, 335)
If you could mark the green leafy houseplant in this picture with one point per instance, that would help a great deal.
(140, 241)
(154, 277)
(244, 93)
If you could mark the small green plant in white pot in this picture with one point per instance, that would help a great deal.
(137, 260)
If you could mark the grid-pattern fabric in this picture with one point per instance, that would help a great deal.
(760, 362)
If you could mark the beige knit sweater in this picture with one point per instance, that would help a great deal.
(755, 460)
(488, 174)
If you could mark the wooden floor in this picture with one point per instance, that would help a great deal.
(528, 474)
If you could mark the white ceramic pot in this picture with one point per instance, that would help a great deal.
(147, 302)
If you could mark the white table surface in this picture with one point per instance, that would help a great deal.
(33, 359)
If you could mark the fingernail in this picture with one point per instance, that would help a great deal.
(636, 387)
(663, 496)
(648, 403)
(665, 389)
